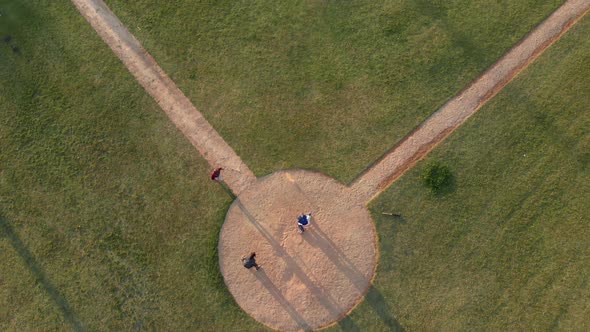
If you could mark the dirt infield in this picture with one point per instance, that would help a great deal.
(307, 280)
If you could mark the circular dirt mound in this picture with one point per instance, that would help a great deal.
(307, 281)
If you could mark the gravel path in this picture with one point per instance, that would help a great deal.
(455, 112)
(310, 280)
(178, 108)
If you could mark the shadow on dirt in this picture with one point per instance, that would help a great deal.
(373, 297)
(323, 297)
(276, 293)
(318, 238)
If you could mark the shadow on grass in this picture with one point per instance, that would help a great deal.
(376, 300)
(348, 325)
(373, 297)
(461, 40)
(227, 190)
(39, 274)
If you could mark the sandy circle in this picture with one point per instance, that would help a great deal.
(307, 281)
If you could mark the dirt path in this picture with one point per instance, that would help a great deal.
(455, 112)
(307, 281)
(178, 108)
(310, 280)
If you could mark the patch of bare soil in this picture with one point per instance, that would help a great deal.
(309, 280)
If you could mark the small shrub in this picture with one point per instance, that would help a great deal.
(436, 176)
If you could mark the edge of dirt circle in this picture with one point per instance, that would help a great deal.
(345, 191)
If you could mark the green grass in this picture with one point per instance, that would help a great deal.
(326, 85)
(108, 221)
(507, 249)
(107, 218)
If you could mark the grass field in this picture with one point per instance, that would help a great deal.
(506, 248)
(107, 218)
(108, 222)
(321, 84)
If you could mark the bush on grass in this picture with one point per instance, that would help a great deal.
(437, 176)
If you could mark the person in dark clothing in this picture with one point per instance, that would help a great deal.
(216, 174)
(250, 261)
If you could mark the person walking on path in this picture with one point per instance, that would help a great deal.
(303, 221)
(216, 174)
(250, 261)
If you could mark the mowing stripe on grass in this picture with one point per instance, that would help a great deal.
(455, 112)
(176, 105)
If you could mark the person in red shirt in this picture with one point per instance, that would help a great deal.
(216, 174)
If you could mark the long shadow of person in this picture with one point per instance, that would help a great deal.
(323, 297)
(373, 297)
(276, 293)
(379, 304)
(227, 190)
(320, 239)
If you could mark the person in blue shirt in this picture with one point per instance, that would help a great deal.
(304, 220)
